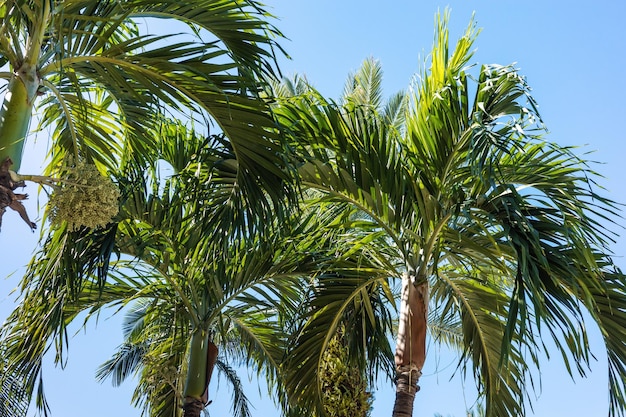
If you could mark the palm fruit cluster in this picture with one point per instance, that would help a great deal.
(84, 198)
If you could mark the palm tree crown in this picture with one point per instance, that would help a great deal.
(99, 80)
(487, 224)
(183, 254)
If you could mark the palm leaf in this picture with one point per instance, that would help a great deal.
(609, 314)
(241, 406)
(483, 308)
(14, 398)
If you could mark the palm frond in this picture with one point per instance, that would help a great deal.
(482, 308)
(123, 364)
(242, 26)
(241, 406)
(14, 394)
(338, 299)
(364, 87)
(609, 313)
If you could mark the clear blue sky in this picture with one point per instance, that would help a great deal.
(573, 55)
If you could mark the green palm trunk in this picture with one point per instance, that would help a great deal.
(17, 107)
(202, 357)
(16, 113)
(15, 116)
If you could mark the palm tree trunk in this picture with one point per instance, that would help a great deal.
(411, 344)
(17, 106)
(15, 116)
(202, 357)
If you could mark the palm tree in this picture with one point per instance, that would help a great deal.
(98, 79)
(195, 260)
(148, 339)
(481, 219)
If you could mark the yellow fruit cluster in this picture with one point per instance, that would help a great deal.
(85, 198)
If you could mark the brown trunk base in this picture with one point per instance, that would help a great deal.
(192, 407)
(10, 199)
(406, 387)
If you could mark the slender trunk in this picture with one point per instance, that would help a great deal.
(16, 113)
(15, 116)
(17, 106)
(202, 357)
(411, 344)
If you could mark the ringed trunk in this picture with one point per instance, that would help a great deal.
(17, 106)
(15, 117)
(411, 344)
(16, 114)
(202, 357)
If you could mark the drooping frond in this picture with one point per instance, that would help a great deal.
(14, 393)
(482, 308)
(610, 314)
(240, 407)
(350, 289)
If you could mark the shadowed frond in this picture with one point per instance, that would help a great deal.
(14, 394)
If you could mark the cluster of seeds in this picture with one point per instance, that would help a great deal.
(84, 198)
